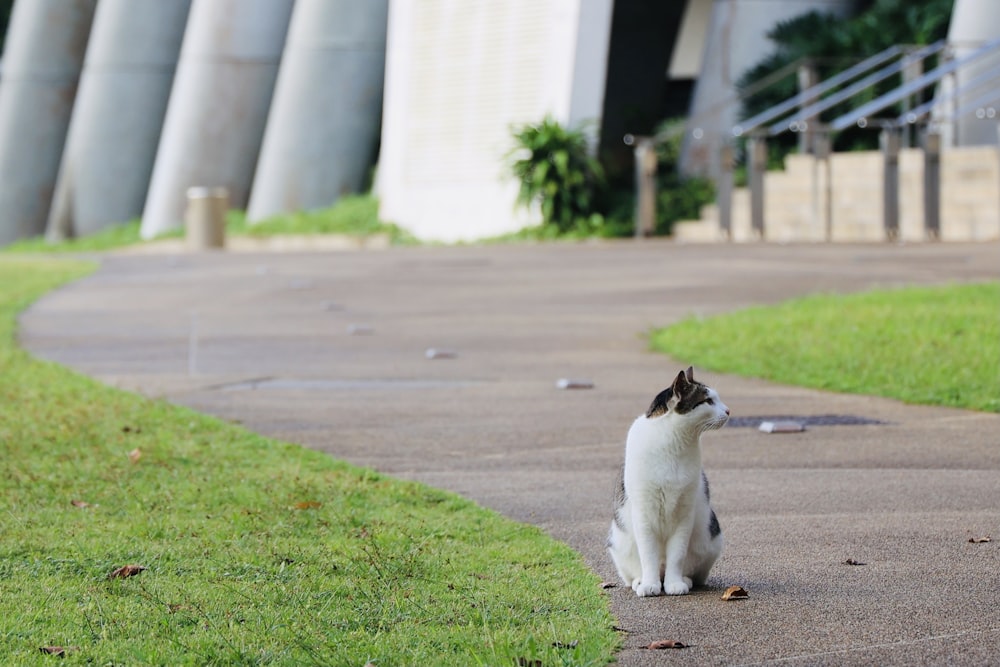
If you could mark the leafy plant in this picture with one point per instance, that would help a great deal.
(557, 172)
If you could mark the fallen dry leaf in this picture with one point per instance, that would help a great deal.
(79, 503)
(608, 584)
(851, 561)
(61, 651)
(308, 505)
(980, 540)
(135, 455)
(735, 593)
(661, 644)
(126, 571)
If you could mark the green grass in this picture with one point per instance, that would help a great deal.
(258, 552)
(927, 345)
(352, 215)
(116, 236)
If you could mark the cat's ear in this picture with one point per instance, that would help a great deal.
(680, 384)
(690, 373)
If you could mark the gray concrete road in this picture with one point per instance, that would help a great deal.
(265, 339)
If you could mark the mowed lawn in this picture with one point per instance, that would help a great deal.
(927, 345)
(248, 551)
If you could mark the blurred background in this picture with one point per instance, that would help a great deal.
(462, 120)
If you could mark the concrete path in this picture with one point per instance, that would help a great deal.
(267, 340)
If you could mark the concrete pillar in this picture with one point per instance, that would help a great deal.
(43, 56)
(972, 23)
(218, 105)
(736, 40)
(127, 73)
(323, 128)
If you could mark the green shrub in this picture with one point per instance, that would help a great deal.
(556, 171)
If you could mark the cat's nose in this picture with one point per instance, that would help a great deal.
(727, 412)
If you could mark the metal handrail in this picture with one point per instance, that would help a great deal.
(755, 87)
(815, 91)
(854, 89)
(976, 104)
(915, 114)
(935, 75)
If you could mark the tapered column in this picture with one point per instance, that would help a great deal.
(106, 166)
(42, 59)
(218, 105)
(322, 131)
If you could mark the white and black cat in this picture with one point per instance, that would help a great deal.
(665, 536)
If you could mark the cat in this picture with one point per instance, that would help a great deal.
(665, 536)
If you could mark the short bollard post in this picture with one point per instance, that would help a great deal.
(205, 218)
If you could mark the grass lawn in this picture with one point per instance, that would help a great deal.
(256, 552)
(929, 345)
(352, 215)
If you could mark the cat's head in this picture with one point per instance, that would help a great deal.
(690, 400)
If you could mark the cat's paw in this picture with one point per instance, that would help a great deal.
(647, 590)
(678, 587)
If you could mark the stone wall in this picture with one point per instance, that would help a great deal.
(842, 199)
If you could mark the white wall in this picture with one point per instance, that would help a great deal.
(459, 76)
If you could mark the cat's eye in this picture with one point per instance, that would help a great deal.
(710, 401)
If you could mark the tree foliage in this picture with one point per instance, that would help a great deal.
(833, 44)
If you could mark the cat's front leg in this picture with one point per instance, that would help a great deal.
(674, 581)
(648, 545)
